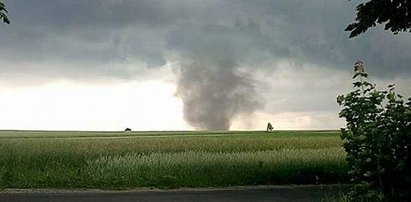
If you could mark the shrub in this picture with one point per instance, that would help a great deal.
(377, 139)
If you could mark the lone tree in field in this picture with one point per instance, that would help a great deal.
(396, 14)
(3, 13)
(269, 127)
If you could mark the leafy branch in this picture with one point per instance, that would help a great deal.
(377, 140)
(3, 13)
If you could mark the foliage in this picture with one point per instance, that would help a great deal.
(169, 159)
(340, 197)
(269, 127)
(396, 14)
(3, 13)
(377, 140)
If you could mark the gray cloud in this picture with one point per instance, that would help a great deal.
(216, 41)
(102, 31)
(213, 93)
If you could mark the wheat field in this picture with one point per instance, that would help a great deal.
(124, 160)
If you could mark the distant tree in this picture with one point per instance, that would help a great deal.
(3, 13)
(269, 127)
(396, 14)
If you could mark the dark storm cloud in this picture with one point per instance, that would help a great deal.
(213, 93)
(101, 32)
(208, 39)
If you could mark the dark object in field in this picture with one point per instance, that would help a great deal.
(269, 127)
(127, 130)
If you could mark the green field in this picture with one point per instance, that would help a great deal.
(122, 160)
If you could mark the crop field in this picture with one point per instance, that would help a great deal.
(123, 160)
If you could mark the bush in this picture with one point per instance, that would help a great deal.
(377, 140)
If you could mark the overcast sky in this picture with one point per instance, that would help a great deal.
(182, 65)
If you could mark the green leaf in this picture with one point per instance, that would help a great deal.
(357, 84)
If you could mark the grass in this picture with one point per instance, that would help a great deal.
(118, 160)
(339, 197)
(12, 134)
